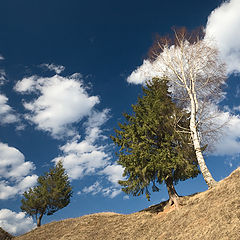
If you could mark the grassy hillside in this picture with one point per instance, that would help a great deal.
(214, 214)
(5, 235)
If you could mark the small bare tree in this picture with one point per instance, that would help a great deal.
(196, 73)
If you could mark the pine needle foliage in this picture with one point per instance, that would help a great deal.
(154, 142)
(52, 193)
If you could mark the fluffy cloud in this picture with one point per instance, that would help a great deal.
(52, 67)
(97, 187)
(2, 75)
(85, 157)
(143, 73)
(60, 102)
(14, 172)
(88, 157)
(7, 114)
(27, 85)
(15, 223)
(229, 144)
(223, 26)
(93, 189)
(114, 173)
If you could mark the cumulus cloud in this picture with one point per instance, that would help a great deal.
(114, 173)
(79, 164)
(27, 85)
(93, 189)
(14, 172)
(97, 187)
(111, 192)
(15, 223)
(60, 102)
(223, 26)
(2, 75)
(52, 67)
(86, 156)
(7, 114)
(143, 73)
(230, 142)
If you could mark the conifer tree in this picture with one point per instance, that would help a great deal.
(52, 193)
(153, 147)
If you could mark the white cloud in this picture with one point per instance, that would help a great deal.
(26, 85)
(93, 189)
(2, 75)
(111, 192)
(79, 165)
(93, 125)
(97, 188)
(7, 114)
(223, 26)
(143, 73)
(15, 223)
(61, 101)
(52, 67)
(236, 108)
(85, 157)
(88, 157)
(230, 142)
(14, 172)
(114, 173)
(1, 57)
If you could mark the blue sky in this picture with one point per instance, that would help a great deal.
(67, 75)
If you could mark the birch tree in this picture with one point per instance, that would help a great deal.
(196, 74)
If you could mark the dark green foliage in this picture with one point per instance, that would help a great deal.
(153, 146)
(52, 193)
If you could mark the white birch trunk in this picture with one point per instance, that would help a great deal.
(196, 143)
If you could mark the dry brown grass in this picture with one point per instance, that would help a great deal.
(214, 214)
(5, 235)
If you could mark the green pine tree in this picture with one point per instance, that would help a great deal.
(52, 193)
(154, 145)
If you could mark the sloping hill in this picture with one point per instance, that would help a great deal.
(5, 235)
(214, 214)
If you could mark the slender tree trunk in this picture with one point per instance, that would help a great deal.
(173, 196)
(196, 142)
(39, 220)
